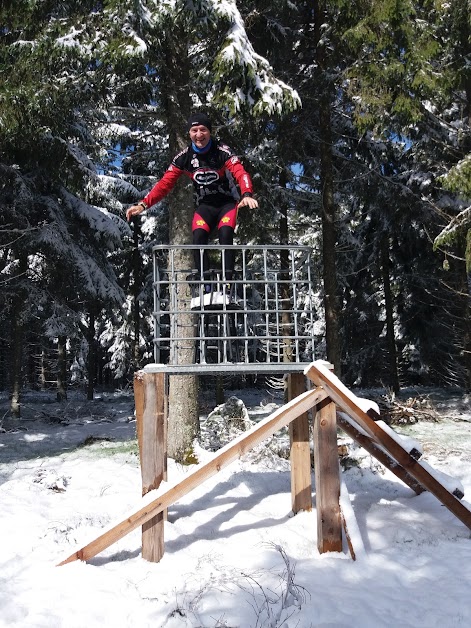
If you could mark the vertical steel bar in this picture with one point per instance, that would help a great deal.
(310, 342)
(267, 317)
(157, 320)
(224, 333)
(277, 319)
(294, 281)
(244, 297)
(172, 308)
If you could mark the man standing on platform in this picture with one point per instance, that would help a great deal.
(216, 172)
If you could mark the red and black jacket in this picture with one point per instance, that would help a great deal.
(214, 175)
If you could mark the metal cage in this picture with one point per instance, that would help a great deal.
(260, 317)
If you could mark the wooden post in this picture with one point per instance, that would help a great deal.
(150, 392)
(300, 453)
(327, 474)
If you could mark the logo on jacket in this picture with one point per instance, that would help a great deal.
(205, 177)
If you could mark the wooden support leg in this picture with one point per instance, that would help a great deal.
(150, 392)
(327, 474)
(300, 454)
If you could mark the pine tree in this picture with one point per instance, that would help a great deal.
(166, 58)
(45, 171)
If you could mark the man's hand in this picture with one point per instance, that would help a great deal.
(248, 201)
(134, 211)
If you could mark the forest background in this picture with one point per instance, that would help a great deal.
(353, 117)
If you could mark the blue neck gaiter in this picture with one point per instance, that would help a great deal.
(202, 150)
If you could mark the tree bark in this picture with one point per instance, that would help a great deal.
(464, 292)
(17, 341)
(329, 232)
(92, 354)
(61, 368)
(43, 368)
(183, 419)
(136, 289)
(285, 288)
(389, 307)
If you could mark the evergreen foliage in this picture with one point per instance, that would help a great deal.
(85, 96)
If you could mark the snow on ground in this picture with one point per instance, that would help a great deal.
(235, 556)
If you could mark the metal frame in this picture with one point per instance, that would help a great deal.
(259, 319)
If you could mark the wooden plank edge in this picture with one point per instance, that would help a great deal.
(346, 401)
(379, 453)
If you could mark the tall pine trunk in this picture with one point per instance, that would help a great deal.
(136, 290)
(61, 368)
(92, 352)
(285, 287)
(18, 321)
(389, 308)
(329, 232)
(467, 288)
(183, 419)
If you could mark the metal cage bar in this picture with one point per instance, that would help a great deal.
(256, 315)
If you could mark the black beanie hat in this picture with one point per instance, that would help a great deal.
(199, 118)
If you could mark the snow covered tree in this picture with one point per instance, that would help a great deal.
(45, 170)
(453, 114)
(398, 87)
(167, 58)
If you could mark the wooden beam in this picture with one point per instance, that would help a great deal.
(380, 454)
(349, 403)
(230, 452)
(151, 419)
(327, 472)
(300, 450)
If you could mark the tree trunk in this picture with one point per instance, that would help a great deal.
(329, 234)
(285, 288)
(219, 390)
(136, 290)
(43, 368)
(464, 295)
(183, 419)
(91, 358)
(61, 368)
(389, 307)
(17, 316)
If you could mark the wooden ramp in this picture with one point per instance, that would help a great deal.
(358, 418)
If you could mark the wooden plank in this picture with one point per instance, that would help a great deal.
(300, 451)
(230, 452)
(347, 402)
(151, 419)
(326, 468)
(380, 454)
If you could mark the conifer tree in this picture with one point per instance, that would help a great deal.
(167, 59)
(45, 171)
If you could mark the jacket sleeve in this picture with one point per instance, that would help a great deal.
(163, 187)
(233, 164)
